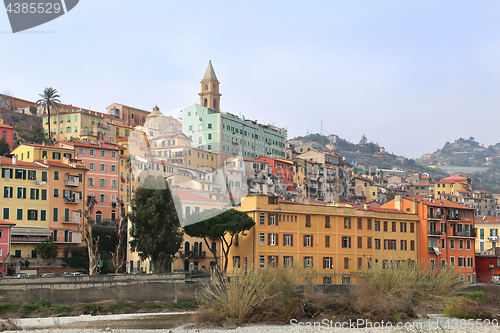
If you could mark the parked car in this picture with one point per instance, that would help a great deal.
(44, 275)
(20, 275)
(78, 274)
(31, 276)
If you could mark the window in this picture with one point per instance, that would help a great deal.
(91, 152)
(452, 243)
(347, 223)
(262, 239)
(102, 153)
(469, 262)
(81, 151)
(102, 167)
(56, 175)
(287, 261)
(272, 239)
(113, 154)
(360, 263)
(32, 214)
(402, 227)
(102, 182)
(34, 194)
(412, 245)
(346, 242)
(368, 242)
(327, 280)
(327, 221)
(452, 261)
(468, 244)
(8, 191)
(56, 155)
(412, 227)
(44, 176)
(377, 244)
(369, 224)
(272, 219)
(21, 193)
(113, 168)
(262, 218)
(308, 240)
(102, 197)
(91, 166)
(327, 262)
(360, 242)
(377, 225)
(327, 241)
(6, 213)
(288, 240)
(308, 220)
(404, 244)
(360, 223)
(461, 261)
(461, 244)
(346, 262)
(386, 226)
(262, 261)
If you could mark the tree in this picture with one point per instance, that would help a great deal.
(222, 226)
(4, 147)
(47, 249)
(118, 257)
(363, 140)
(6, 98)
(33, 109)
(156, 230)
(86, 229)
(50, 99)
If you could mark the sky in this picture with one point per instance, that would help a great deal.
(409, 75)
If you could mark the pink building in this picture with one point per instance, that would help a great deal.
(4, 242)
(7, 133)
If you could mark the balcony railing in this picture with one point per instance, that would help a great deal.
(464, 234)
(435, 216)
(72, 181)
(19, 239)
(435, 233)
(72, 221)
(72, 200)
(192, 254)
(453, 218)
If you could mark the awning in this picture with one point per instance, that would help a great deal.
(30, 231)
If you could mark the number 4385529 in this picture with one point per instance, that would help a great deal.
(33, 7)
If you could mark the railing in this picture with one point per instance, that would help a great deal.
(72, 221)
(15, 239)
(72, 200)
(192, 254)
(464, 234)
(71, 182)
(435, 216)
(434, 233)
(453, 218)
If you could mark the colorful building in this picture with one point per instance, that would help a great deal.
(446, 233)
(339, 242)
(487, 233)
(5, 228)
(7, 133)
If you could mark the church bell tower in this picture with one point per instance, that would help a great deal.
(209, 95)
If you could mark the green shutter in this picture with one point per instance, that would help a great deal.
(24, 174)
(5, 192)
(44, 176)
(66, 214)
(19, 193)
(44, 153)
(80, 177)
(19, 214)
(6, 214)
(24, 193)
(56, 212)
(44, 194)
(37, 194)
(43, 215)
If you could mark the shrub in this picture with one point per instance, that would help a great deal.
(477, 296)
(8, 307)
(45, 303)
(61, 309)
(153, 306)
(466, 309)
(29, 306)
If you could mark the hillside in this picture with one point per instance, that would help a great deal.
(464, 152)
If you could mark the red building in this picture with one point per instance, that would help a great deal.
(4, 243)
(487, 266)
(281, 168)
(7, 133)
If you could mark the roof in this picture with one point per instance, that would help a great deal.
(8, 161)
(382, 210)
(488, 220)
(5, 126)
(439, 203)
(210, 73)
(59, 164)
(453, 179)
(44, 146)
(5, 223)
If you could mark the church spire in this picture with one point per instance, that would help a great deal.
(209, 95)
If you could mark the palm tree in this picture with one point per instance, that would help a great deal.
(49, 99)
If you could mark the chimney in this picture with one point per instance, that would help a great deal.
(397, 203)
(414, 206)
(14, 159)
(45, 160)
(365, 206)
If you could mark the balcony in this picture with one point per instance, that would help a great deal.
(192, 254)
(453, 218)
(74, 221)
(464, 234)
(20, 239)
(72, 200)
(434, 233)
(493, 238)
(434, 216)
(72, 181)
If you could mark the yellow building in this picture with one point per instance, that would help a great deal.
(25, 202)
(30, 152)
(487, 233)
(450, 185)
(336, 241)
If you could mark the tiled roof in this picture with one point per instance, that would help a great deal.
(191, 197)
(487, 220)
(8, 161)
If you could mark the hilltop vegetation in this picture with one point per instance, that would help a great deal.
(464, 152)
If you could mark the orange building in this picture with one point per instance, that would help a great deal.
(102, 162)
(446, 233)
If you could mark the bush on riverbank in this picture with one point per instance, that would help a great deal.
(281, 294)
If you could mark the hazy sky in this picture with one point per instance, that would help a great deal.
(410, 75)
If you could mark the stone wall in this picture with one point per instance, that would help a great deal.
(74, 290)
